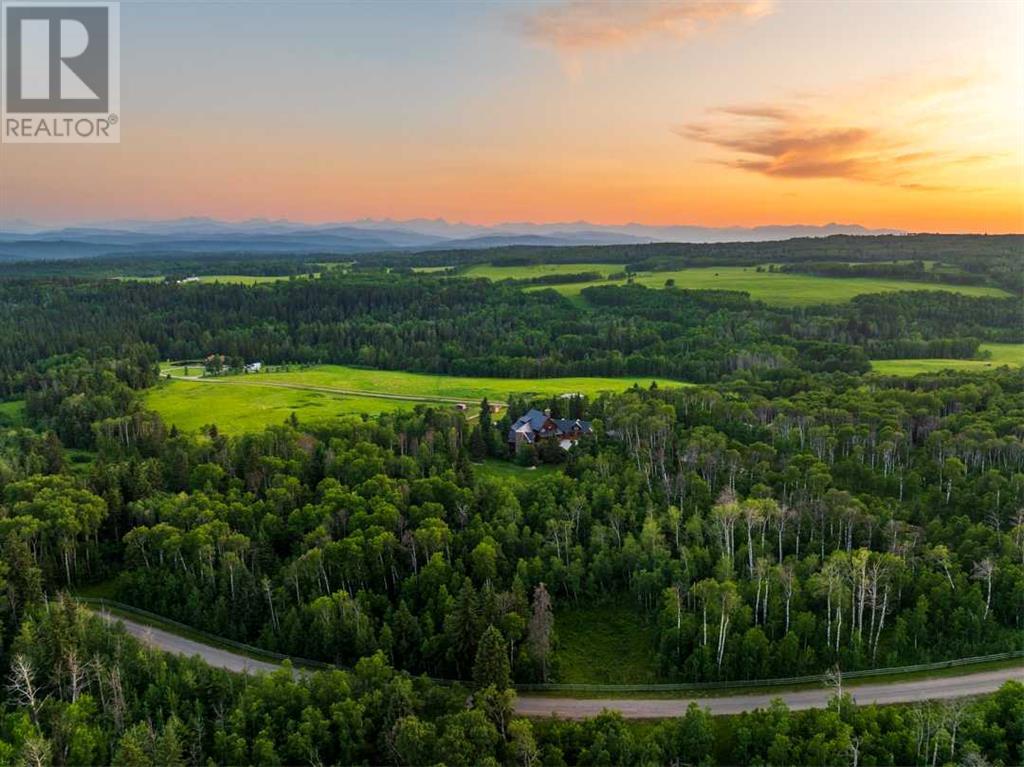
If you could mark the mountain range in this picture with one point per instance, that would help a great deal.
(21, 240)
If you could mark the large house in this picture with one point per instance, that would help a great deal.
(535, 426)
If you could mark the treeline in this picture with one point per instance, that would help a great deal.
(437, 325)
(917, 271)
(991, 259)
(986, 259)
(174, 266)
(81, 693)
(474, 327)
(560, 279)
(774, 528)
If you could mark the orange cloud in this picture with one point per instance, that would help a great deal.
(798, 142)
(577, 24)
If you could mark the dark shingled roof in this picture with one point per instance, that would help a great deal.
(533, 422)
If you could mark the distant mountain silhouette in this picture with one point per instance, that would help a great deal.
(21, 240)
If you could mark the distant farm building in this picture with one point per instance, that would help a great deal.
(254, 367)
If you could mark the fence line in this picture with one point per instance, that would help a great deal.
(776, 682)
(259, 652)
(214, 639)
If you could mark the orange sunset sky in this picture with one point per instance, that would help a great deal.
(888, 114)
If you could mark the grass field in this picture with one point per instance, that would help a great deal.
(12, 413)
(781, 289)
(190, 405)
(778, 288)
(609, 643)
(507, 471)
(240, 403)
(470, 388)
(1001, 354)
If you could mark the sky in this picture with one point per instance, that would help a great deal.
(904, 115)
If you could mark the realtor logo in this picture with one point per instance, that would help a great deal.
(61, 78)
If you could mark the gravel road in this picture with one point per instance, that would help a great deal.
(168, 642)
(892, 692)
(940, 688)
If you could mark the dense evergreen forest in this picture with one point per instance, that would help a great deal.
(967, 259)
(474, 327)
(791, 514)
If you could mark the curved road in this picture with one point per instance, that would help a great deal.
(967, 684)
(168, 642)
(893, 692)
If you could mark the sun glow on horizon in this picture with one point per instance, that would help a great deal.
(704, 113)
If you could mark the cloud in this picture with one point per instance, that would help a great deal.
(802, 140)
(579, 24)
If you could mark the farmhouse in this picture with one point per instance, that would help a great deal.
(535, 426)
(254, 367)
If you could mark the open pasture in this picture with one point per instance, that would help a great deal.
(1000, 354)
(779, 288)
(12, 413)
(237, 408)
(247, 402)
(469, 388)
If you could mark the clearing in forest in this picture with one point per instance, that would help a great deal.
(1011, 355)
(246, 402)
(777, 288)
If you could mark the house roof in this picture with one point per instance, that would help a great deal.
(535, 418)
(534, 421)
(568, 425)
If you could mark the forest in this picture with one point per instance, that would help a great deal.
(792, 513)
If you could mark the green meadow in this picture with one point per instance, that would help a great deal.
(190, 405)
(608, 643)
(777, 288)
(999, 355)
(12, 413)
(507, 471)
(784, 289)
(470, 388)
(246, 402)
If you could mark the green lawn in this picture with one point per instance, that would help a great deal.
(237, 408)
(248, 402)
(781, 289)
(778, 288)
(608, 643)
(79, 461)
(1000, 354)
(12, 413)
(470, 388)
(509, 470)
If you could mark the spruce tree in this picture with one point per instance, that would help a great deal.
(491, 666)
